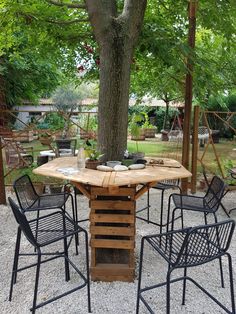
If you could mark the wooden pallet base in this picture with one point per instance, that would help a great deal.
(112, 228)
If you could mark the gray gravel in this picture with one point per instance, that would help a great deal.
(115, 297)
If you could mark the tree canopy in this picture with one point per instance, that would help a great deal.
(40, 40)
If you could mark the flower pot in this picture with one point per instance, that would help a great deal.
(92, 164)
(113, 163)
(164, 135)
(150, 133)
(140, 136)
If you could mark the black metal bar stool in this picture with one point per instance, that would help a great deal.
(42, 232)
(207, 204)
(161, 186)
(189, 247)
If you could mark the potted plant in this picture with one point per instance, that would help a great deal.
(92, 158)
(92, 155)
(136, 130)
(137, 133)
(149, 129)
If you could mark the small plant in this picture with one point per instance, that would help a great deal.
(91, 152)
(135, 126)
(147, 124)
(228, 166)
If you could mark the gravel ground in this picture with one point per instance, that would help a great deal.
(115, 297)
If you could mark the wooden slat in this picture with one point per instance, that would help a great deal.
(112, 244)
(112, 278)
(112, 218)
(106, 179)
(144, 189)
(111, 272)
(116, 204)
(82, 188)
(106, 192)
(105, 230)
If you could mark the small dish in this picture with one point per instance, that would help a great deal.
(113, 163)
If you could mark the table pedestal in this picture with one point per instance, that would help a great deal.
(112, 231)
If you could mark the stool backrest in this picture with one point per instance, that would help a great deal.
(22, 221)
(205, 243)
(214, 193)
(25, 192)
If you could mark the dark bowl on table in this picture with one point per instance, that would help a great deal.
(141, 161)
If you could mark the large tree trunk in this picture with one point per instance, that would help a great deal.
(115, 60)
(116, 36)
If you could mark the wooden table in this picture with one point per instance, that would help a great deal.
(113, 198)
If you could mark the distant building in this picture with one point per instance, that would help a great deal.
(27, 111)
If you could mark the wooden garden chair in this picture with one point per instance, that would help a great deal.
(16, 155)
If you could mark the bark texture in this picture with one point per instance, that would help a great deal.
(116, 34)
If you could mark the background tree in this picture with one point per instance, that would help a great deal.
(100, 37)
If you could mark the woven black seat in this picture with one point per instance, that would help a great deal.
(48, 228)
(66, 147)
(189, 247)
(232, 173)
(47, 201)
(207, 204)
(44, 231)
(162, 186)
(29, 200)
(194, 203)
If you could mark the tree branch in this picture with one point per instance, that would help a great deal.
(68, 5)
(100, 16)
(133, 14)
(58, 22)
(67, 22)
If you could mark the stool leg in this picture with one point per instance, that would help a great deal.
(15, 262)
(87, 270)
(184, 286)
(168, 292)
(168, 214)
(161, 214)
(140, 276)
(36, 282)
(220, 259)
(148, 205)
(37, 223)
(75, 218)
(67, 271)
(231, 283)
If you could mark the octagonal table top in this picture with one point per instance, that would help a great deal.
(66, 168)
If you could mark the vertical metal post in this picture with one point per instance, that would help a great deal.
(194, 149)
